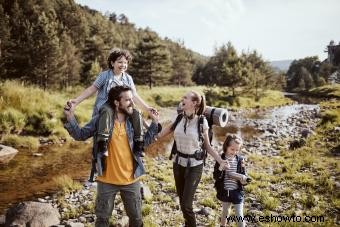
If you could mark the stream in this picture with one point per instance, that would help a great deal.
(27, 177)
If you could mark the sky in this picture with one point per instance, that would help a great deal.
(277, 29)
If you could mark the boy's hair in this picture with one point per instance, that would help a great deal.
(117, 53)
(115, 94)
(229, 139)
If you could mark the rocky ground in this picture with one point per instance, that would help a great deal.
(276, 129)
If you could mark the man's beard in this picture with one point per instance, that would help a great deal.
(125, 110)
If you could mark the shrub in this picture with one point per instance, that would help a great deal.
(12, 121)
(16, 141)
(66, 184)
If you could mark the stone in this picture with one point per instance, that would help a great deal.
(124, 221)
(6, 154)
(75, 224)
(2, 220)
(146, 192)
(32, 214)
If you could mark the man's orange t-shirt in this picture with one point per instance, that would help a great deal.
(119, 163)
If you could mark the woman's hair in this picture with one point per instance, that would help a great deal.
(201, 105)
(115, 54)
(231, 138)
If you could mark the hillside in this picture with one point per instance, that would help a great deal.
(282, 65)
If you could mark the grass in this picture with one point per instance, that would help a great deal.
(165, 96)
(29, 142)
(66, 184)
(327, 91)
(31, 111)
(305, 178)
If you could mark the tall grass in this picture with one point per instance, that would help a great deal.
(66, 184)
(31, 111)
(165, 96)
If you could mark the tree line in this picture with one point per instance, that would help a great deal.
(304, 74)
(58, 43)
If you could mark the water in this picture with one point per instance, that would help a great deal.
(26, 176)
(241, 122)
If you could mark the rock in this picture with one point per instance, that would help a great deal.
(206, 211)
(124, 221)
(82, 219)
(37, 154)
(295, 144)
(32, 214)
(2, 220)
(75, 224)
(337, 184)
(146, 193)
(305, 132)
(6, 154)
(335, 150)
(42, 200)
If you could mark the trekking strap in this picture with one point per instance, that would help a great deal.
(173, 127)
(200, 123)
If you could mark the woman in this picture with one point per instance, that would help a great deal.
(188, 161)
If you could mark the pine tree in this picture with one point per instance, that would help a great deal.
(4, 41)
(181, 66)
(71, 62)
(152, 61)
(231, 69)
(46, 57)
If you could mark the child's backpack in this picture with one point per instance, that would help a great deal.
(200, 135)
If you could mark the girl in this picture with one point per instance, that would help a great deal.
(188, 160)
(228, 183)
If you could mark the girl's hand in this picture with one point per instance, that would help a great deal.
(224, 165)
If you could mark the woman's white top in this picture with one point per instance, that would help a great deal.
(188, 143)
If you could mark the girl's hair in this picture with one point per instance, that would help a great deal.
(201, 105)
(229, 139)
(117, 53)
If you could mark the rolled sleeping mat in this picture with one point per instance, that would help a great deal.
(216, 116)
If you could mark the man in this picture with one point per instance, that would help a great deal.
(121, 166)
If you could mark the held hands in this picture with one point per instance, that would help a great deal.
(151, 111)
(154, 115)
(68, 110)
(73, 102)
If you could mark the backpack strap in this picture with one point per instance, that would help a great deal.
(200, 124)
(240, 169)
(178, 119)
(173, 127)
